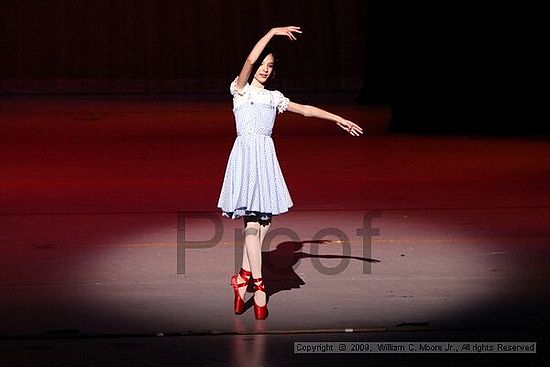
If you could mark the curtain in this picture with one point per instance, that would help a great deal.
(175, 46)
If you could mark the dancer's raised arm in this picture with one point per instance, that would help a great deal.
(259, 47)
(312, 111)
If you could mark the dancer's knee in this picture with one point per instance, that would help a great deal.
(252, 229)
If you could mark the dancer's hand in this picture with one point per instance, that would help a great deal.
(286, 31)
(350, 127)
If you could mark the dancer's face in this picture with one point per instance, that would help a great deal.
(266, 68)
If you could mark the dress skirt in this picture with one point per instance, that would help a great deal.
(253, 183)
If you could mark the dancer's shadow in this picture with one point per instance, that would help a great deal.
(278, 266)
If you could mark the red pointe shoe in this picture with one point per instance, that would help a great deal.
(238, 304)
(260, 312)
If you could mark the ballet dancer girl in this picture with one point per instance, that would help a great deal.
(253, 187)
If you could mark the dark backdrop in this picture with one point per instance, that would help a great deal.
(443, 67)
(475, 67)
(175, 46)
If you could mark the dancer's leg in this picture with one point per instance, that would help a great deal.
(253, 248)
(254, 252)
(240, 279)
(260, 296)
(245, 263)
(263, 230)
(255, 231)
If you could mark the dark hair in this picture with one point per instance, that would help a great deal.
(268, 50)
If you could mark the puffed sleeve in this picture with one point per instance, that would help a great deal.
(234, 91)
(280, 101)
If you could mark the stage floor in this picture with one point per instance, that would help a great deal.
(110, 229)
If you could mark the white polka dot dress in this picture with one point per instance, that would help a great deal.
(253, 181)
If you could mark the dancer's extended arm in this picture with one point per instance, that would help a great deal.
(259, 47)
(312, 111)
